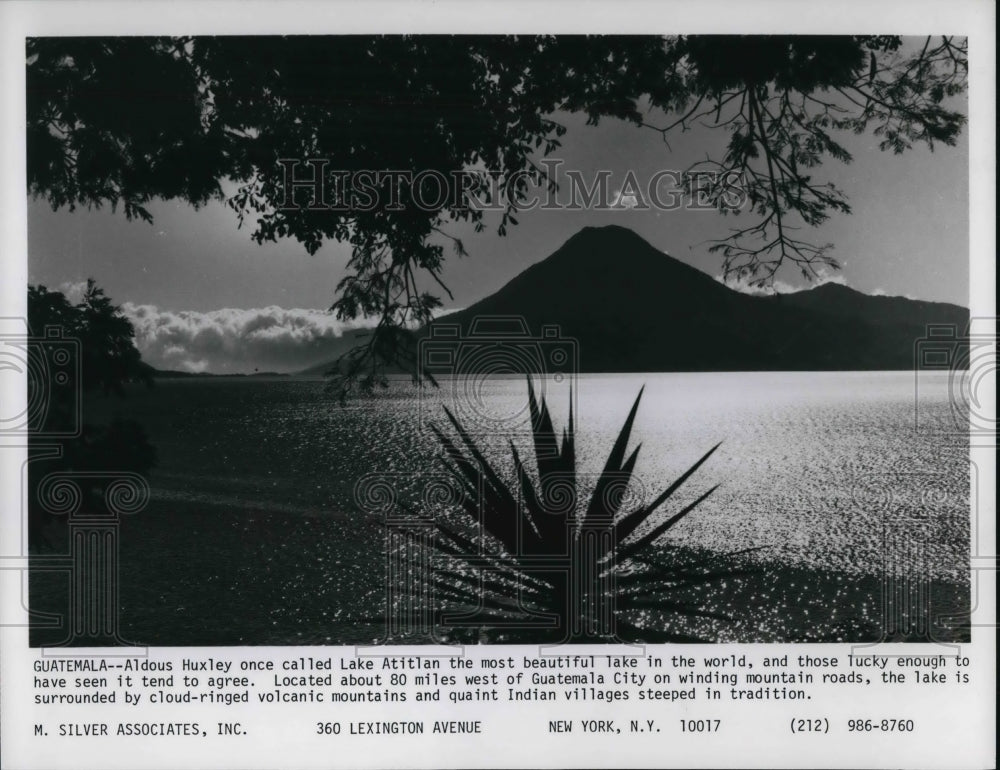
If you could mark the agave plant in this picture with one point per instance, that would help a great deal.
(531, 563)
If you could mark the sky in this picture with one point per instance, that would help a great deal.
(204, 297)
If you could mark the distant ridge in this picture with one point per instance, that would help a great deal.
(632, 308)
(176, 374)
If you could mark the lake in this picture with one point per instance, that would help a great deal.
(837, 479)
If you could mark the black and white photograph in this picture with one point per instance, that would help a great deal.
(569, 342)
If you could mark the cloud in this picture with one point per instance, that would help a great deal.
(624, 199)
(237, 340)
(743, 286)
(883, 293)
(74, 291)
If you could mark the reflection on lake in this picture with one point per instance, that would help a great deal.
(253, 513)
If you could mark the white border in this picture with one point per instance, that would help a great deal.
(56, 17)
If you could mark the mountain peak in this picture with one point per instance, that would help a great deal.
(616, 253)
(631, 307)
(609, 235)
(832, 288)
(626, 306)
(620, 230)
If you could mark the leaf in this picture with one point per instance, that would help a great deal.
(543, 435)
(613, 467)
(529, 522)
(630, 523)
(642, 542)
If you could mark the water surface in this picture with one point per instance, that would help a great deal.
(837, 478)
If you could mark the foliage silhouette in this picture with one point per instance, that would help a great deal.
(108, 360)
(126, 120)
(540, 565)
